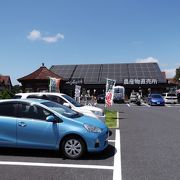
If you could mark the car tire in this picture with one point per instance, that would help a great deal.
(73, 147)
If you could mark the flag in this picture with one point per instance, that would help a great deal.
(110, 83)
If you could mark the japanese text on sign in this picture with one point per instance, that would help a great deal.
(140, 81)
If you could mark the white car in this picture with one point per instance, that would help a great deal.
(67, 101)
(170, 98)
(133, 97)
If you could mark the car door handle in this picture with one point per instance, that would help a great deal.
(22, 124)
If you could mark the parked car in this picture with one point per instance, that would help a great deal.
(155, 99)
(43, 124)
(133, 97)
(67, 101)
(170, 98)
(119, 94)
(101, 98)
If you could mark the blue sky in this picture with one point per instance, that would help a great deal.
(57, 32)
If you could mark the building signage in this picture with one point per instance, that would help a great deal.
(140, 81)
(75, 81)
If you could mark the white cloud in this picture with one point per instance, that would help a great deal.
(147, 60)
(164, 65)
(36, 35)
(170, 73)
(177, 64)
(52, 39)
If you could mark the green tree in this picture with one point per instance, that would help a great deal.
(177, 76)
(16, 89)
(5, 94)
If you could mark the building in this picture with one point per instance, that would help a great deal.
(5, 83)
(144, 77)
(38, 80)
(178, 77)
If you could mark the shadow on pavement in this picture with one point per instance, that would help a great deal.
(107, 153)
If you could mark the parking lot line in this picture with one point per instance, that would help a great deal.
(117, 174)
(128, 104)
(117, 125)
(167, 105)
(145, 104)
(11, 163)
(112, 141)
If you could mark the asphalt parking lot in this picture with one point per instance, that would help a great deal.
(150, 142)
(40, 164)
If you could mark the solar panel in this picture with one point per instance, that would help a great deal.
(64, 71)
(89, 72)
(98, 73)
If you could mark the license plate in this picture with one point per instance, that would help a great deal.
(158, 102)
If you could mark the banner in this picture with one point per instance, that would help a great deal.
(54, 85)
(77, 93)
(110, 83)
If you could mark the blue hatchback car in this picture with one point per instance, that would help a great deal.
(155, 99)
(43, 124)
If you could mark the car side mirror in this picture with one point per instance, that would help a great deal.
(67, 105)
(51, 119)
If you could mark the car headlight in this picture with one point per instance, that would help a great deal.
(93, 129)
(97, 113)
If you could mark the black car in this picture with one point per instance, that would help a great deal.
(101, 98)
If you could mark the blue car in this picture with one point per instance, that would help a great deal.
(155, 99)
(43, 124)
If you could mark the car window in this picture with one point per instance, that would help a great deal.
(174, 95)
(56, 99)
(71, 100)
(33, 112)
(156, 96)
(133, 93)
(37, 96)
(8, 109)
(63, 110)
(33, 96)
(17, 97)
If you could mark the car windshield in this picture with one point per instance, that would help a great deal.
(156, 96)
(174, 95)
(71, 100)
(133, 94)
(118, 90)
(63, 110)
(17, 97)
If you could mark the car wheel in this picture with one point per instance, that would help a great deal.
(73, 147)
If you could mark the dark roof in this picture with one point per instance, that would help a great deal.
(40, 74)
(5, 80)
(98, 73)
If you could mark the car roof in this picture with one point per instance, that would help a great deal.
(39, 93)
(25, 100)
